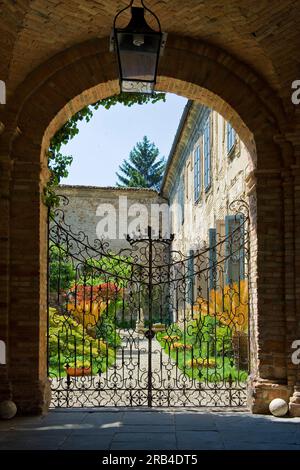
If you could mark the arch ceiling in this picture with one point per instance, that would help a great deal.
(264, 34)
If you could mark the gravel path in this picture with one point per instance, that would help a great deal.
(126, 383)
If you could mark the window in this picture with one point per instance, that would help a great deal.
(230, 137)
(207, 155)
(190, 283)
(181, 202)
(187, 180)
(234, 249)
(212, 238)
(197, 174)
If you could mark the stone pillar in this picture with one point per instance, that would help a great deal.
(5, 177)
(28, 282)
(295, 334)
(268, 378)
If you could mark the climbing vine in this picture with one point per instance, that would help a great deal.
(60, 163)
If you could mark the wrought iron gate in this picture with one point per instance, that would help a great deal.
(148, 326)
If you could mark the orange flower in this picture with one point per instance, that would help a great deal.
(181, 346)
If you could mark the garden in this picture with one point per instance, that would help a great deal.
(84, 300)
(210, 345)
(213, 345)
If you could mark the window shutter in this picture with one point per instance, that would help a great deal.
(181, 201)
(197, 174)
(230, 137)
(234, 248)
(207, 175)
(191, 277)
(212, 237)
(241, 219)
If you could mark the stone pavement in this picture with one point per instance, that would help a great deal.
(145, 429)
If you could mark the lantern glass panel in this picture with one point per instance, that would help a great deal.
(138, 62)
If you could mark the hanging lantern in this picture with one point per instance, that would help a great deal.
(138, 48)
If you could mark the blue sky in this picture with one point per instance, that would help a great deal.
(104, 142)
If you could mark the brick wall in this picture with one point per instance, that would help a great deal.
(63, 83)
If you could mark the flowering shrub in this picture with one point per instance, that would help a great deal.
(181, 346)
(229, 305)
(87, 302)
(70, 344)
(171, 338)
(201, 362)
(80, 293)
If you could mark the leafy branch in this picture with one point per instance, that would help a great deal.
(58, 162)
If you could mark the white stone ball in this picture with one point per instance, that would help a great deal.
(278, 407)
(8, 409)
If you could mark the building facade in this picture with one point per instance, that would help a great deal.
(207, 170)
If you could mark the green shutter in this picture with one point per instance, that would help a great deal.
(207, 156)
(234, 248)
(197, 174)
(181, 201)
(191, 277)
(212, 237)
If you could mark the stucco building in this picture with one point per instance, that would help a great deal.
(206, 171)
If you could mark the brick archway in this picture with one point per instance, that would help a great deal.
(83, 74)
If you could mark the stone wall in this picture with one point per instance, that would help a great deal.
(109, 213)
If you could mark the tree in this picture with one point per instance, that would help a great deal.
(59, 163)
(144, 168)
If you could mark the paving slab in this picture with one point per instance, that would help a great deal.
(260, 446)
(33, 442)
(268, 440)
(142, 428)
(149, 418)
(163, 429)
(144, 441)
(199, 440)
(102, 419)
(87, 442)
(195, 421)
(96, 430)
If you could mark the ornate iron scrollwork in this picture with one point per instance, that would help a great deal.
(148, 326)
